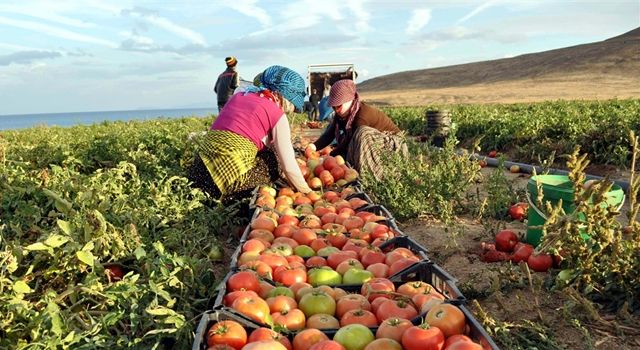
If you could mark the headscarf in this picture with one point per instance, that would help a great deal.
(341, 92)
(284, 81)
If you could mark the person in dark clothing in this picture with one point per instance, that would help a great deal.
(362, 132)
(227, 82)
(314, 100)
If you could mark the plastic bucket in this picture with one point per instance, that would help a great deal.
(554, 188)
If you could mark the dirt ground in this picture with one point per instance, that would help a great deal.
(504, 291)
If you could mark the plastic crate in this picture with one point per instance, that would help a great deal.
(476, 332)
(433, 274)
(209, 318)
(361, 195)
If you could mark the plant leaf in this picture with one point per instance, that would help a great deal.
(21, 287)
(37, 246)
(54, 240)
(65, 226)
(85, 257)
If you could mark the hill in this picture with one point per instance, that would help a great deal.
(600, 70)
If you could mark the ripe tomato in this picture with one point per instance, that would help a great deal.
(540, 262)
(449, 318)
(351, 302)
(464, 345)
(227, 332)
(395, 308)
(415, 287)
(521, 252)
(281, 303)
(114, 272)
(305, 339)
(506, 240)
(518, 211)
(327, 345)
(243, 280)
(317, 302)
(323, 321)
(384, 344)
(229, 298)
(380, 270)
(423, 337)
(393, 328)
(377, 288)
(292, 319)
(359, 316)
(269, 334)
(253, 307)
(265, 345)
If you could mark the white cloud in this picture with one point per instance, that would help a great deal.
(45, 14)
(361, 14)
(419, 19)
(476, 11)
(56, 32)
(169, 26)
(249, 8)
(133, 40)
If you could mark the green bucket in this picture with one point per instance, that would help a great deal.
(554, 188)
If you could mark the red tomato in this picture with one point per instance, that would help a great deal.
(243, 280)
(269, 334)
(518, 211)
(506, 240)
(393, 328)
(327, 345)
(377, 288)
(464, 345)
(281, 303)
(540, 262)
(253, 307)
(395, 308)
(227, 332)
(322, 321)
(359, 316)
(521, 252)
(305, 339)
(351, 302)
(449, 318)
(293, 319)
(423, 337)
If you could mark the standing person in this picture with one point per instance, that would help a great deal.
(314, 100)
(361, 131)
(227, 82)
(250, 140)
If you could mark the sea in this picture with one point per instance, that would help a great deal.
(22, 121)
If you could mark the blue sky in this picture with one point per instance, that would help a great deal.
(63, 56)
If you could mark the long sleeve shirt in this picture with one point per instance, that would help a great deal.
(366, 116)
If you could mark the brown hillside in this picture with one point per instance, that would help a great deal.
(601, 70)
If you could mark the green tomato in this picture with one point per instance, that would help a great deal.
(281, 290)
(323, 276)
(356, 276)
(354, 336)
(317, 302)
(304, 251)
(326, 251)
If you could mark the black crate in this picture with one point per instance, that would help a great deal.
(476, 332)
(209, 318)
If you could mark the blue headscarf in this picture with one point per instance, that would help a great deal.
(285, 81)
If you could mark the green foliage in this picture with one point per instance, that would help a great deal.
(500, 194)
(428, 182)
(535, 130)
(73, 200)
(601, 254)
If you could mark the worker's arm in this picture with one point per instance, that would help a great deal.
(281, 135)
(327, 136)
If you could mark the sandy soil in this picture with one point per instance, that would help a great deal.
(502, 289)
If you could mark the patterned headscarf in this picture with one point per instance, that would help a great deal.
(285, 81)
(341, 92)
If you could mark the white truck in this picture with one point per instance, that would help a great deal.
(321, 76)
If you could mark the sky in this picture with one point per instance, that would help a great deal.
(75, 56)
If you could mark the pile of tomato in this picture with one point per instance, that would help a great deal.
(325, 271)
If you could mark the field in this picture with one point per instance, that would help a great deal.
(105, 244)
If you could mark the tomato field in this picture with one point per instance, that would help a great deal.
(104, 243)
